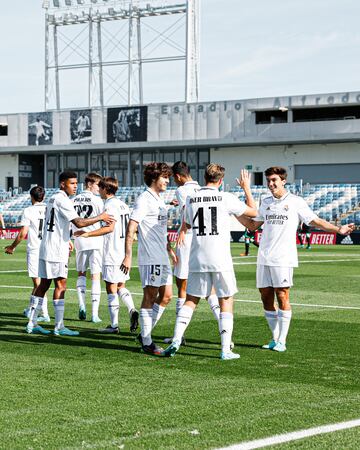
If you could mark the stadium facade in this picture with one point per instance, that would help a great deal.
(316, 137)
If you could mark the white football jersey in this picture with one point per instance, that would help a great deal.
(183, 192)
(151, 214)
(55, 242)
(281, 218)
(88, 205)
(208, 212)
(33, 218)
(114, 243)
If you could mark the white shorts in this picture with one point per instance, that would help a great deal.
(89, 259)
(181, 270)
(32, 260)
(52, 270)
(113, 274)
(274, 276)
(155, 275)
(199, 284)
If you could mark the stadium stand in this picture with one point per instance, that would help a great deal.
(339, 203)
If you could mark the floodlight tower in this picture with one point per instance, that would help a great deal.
(102, 36)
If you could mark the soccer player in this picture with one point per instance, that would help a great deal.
(208, 213)
(54, 253)
(186, 187)
(249, 237)
(149, 218)
(32, 222)
(304, 229)
(89, 251)
(113, 255)
(279, 214)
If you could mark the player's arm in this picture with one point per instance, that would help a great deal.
(329, 227)
(100, 232)
(244, 183)
(171, 252)
(131, 229)
(104, 217)
(249, 223)
(22, 235)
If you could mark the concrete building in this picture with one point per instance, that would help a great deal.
(316, 137)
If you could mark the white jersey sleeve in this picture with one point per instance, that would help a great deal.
(66, 209)
(140, 210)
(234, 206)
(25, 219)
(306, 214)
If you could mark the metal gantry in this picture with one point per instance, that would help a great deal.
(105, 38)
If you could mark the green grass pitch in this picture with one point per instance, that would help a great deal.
(101, 392)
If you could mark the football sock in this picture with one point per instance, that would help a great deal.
(182, 321)
(157, 312)
(34, 303)
(45, 311)
(113, 305)
(59, 307)
(127, 299)
(95, 297)
(146, 325)
(226, 329)
(214, 305)
(179, 304)
(284, 325)
(81, 291)
(273, 322)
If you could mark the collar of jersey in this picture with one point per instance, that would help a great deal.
(282, 198)
(191, 182)
(153, 194)
(209, 187)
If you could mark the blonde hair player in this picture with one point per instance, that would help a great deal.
(207, 213)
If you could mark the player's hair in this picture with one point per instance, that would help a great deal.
(214, 173)
(66, 175)
(37, 193)
(109, 184)
(155, 170)
(276, 170)
(180, 168)
(92, 177)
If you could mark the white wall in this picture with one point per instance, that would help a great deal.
(9, 167)
(235, 158)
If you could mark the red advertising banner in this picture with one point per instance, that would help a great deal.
(11, 233)
(316, 238)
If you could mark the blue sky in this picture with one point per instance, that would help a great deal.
(261, 48)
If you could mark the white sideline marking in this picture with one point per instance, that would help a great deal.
(238, 300)
(294, 436)
(252, 263)
(311, 261)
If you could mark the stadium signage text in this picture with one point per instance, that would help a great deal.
(311, 100)
(200, 108)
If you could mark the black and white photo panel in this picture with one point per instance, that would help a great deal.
(40, 128)
(80, 126)
(127, 124)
